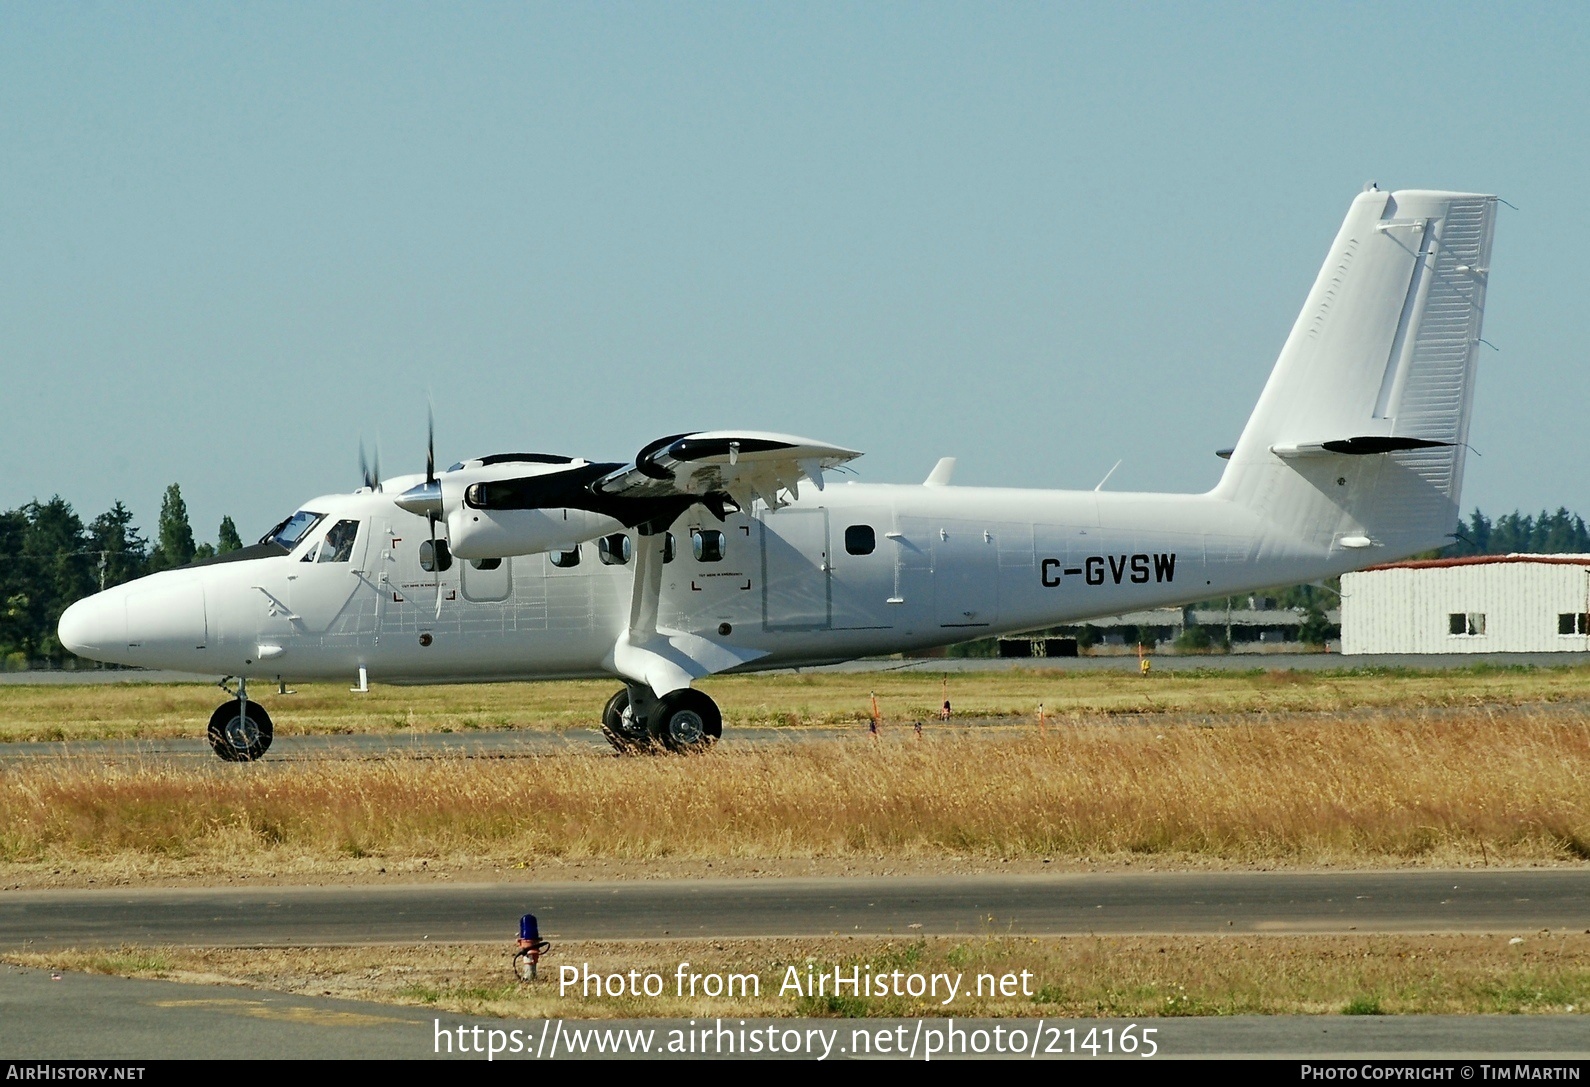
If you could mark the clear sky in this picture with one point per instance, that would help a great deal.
(235, 239)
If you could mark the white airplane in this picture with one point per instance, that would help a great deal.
(724, 551)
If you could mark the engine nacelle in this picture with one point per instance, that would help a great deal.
(497, 534)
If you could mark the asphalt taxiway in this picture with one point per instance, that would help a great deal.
(66, 1016)
(1485, 900)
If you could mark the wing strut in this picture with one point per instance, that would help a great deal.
(648, 586)
(662, 659)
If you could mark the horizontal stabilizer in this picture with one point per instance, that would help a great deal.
(1363, 446)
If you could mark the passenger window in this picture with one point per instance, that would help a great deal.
(860, 540)
(565, 559)
(338, 544)
(708, 544)
(668, 547)
(614, 550)
(485, 564)
(435, 558)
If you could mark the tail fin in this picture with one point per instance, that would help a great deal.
(1359, 436)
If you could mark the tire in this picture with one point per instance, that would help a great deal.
(620, 727)
(686, 722)
(237, 738)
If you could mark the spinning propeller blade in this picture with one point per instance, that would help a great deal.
(430, 517)
(430, 444)
(370, 470)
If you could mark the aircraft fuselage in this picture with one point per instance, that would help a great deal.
(855, 570)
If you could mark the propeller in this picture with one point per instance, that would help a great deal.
(425, 500)
(434, 511)
(430, 444)
(370, 470)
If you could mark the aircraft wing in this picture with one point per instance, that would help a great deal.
(745, 466)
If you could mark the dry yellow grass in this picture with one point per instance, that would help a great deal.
(1508, 787)
(129, 711)
(1077, 976)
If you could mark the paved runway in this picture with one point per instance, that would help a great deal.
(1126, 662)
(1494, 900)
(89, 1016)
(486, 744)
(528, 743)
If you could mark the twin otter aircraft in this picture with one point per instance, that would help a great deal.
(724, 551)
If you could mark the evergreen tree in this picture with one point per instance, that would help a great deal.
(57, 570)
(226, 537)
(1315, 628)
(116, 542)
(1519, 533)
(176, 546)
(13, 584)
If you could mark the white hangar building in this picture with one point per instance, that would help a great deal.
(1483, 604)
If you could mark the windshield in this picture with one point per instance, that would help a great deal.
(291, 531)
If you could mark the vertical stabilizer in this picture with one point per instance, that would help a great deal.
(1358, 438)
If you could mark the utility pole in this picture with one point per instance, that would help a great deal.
(104, 561)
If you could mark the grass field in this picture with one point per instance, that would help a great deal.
(1074, 977)
(1498, 786)
(129, 711)
(1271, 768)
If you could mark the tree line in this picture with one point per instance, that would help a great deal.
(53, 558)
(1557, 533)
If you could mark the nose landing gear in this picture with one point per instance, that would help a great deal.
(240, 730)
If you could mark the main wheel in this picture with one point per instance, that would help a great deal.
(623, 729)
(237, 737)
(686, 721)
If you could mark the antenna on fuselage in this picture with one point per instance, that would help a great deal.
(1108, 474)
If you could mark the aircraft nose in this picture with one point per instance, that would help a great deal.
(165, 613)
(94, 625)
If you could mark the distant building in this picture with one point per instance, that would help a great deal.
(1259, 627)
(1483, 604)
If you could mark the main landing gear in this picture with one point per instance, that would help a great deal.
(685, 721)
(240, 730)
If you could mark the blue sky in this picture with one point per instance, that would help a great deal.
(1042, 238)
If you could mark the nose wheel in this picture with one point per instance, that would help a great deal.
(240, 731)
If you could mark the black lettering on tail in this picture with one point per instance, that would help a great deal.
(1165, 567)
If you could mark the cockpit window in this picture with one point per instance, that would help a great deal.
(291, 532)
(338, 544)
